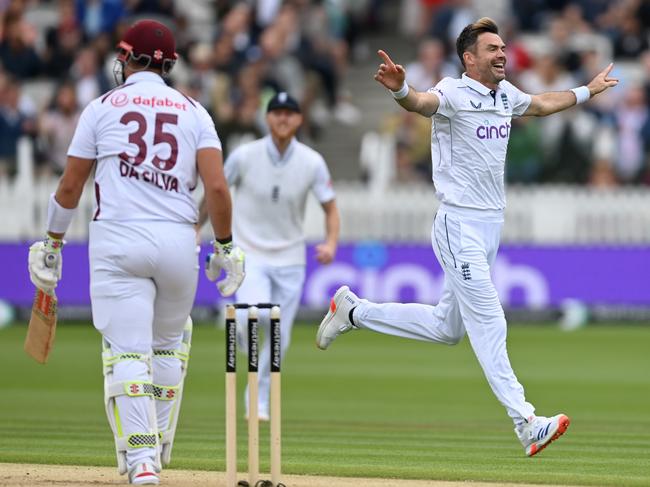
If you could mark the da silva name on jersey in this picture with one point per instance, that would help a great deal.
(166, 182)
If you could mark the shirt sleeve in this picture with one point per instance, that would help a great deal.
(520, 100)
(208, 138)
(322, 185)
(84, 140)
(444, 91)
(231, 166)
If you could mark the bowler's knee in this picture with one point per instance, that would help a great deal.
(455, 338)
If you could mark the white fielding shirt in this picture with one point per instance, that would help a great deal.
(144, 136)
(469, 140)
(270, 196)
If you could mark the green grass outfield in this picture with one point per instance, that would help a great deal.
(371, 406)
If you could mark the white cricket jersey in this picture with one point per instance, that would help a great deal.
(144, 136)
(469, 140)
(271, 195)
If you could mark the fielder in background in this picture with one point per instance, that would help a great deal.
(470, 120)
(272, 178)
(146, 142)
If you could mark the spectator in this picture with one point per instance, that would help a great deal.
(91, 81)
(237, 24)
(266, 12)
(204, 77)
(57, 126)
(566, 147)
(412, 149)
(98, 16)
(431, 65)
(631, 116)
(276, 43)
(323, 53)
(561, 34)
(630, 40)
(62, 42)
(17, 53)
(224, 62)
(524, 162)
(247, 117)
(13, 125)
(450, 19)
(163, 8)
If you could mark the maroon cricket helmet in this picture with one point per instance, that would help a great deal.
(150, 44)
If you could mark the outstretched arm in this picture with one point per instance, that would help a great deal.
(393, 77)
(556, 101)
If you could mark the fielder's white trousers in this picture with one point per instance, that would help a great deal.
(143, 277)
(269, 284)
(465, 242)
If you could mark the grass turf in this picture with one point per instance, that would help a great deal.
(371, 406)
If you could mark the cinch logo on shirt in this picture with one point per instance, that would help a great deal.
(493, 131)
(159, 102)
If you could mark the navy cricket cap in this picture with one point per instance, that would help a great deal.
(283, 100)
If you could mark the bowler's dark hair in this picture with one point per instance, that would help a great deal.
(467, 39)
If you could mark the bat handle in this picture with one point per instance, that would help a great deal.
(51, 260)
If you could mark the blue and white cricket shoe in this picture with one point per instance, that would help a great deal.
(539, 432)
(337, 319)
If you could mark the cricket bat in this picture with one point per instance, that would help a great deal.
(42, 323)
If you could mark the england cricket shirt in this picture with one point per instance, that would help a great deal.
(469, 139)
(270, 197)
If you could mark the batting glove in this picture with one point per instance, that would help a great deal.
(230, 259)
(45, 263)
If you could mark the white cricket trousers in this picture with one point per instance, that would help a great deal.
(465, 242)
(143, 278)
(269, 284)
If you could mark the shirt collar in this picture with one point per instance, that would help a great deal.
(145, 76)
(274, 153)
(475, 85)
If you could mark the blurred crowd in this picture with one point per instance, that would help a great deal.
(56, 56)
(552, 45)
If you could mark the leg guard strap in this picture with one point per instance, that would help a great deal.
(128, 388)
(165, 393)
(173, 394)
(137, 440)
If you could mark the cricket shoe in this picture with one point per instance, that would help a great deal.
(337, 319)
(538, 432)
(144, 474)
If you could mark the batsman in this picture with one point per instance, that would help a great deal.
(143, 255)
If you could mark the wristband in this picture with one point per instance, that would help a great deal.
(402, 93)
(582, 94)
(58, 217)
(53, 245)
